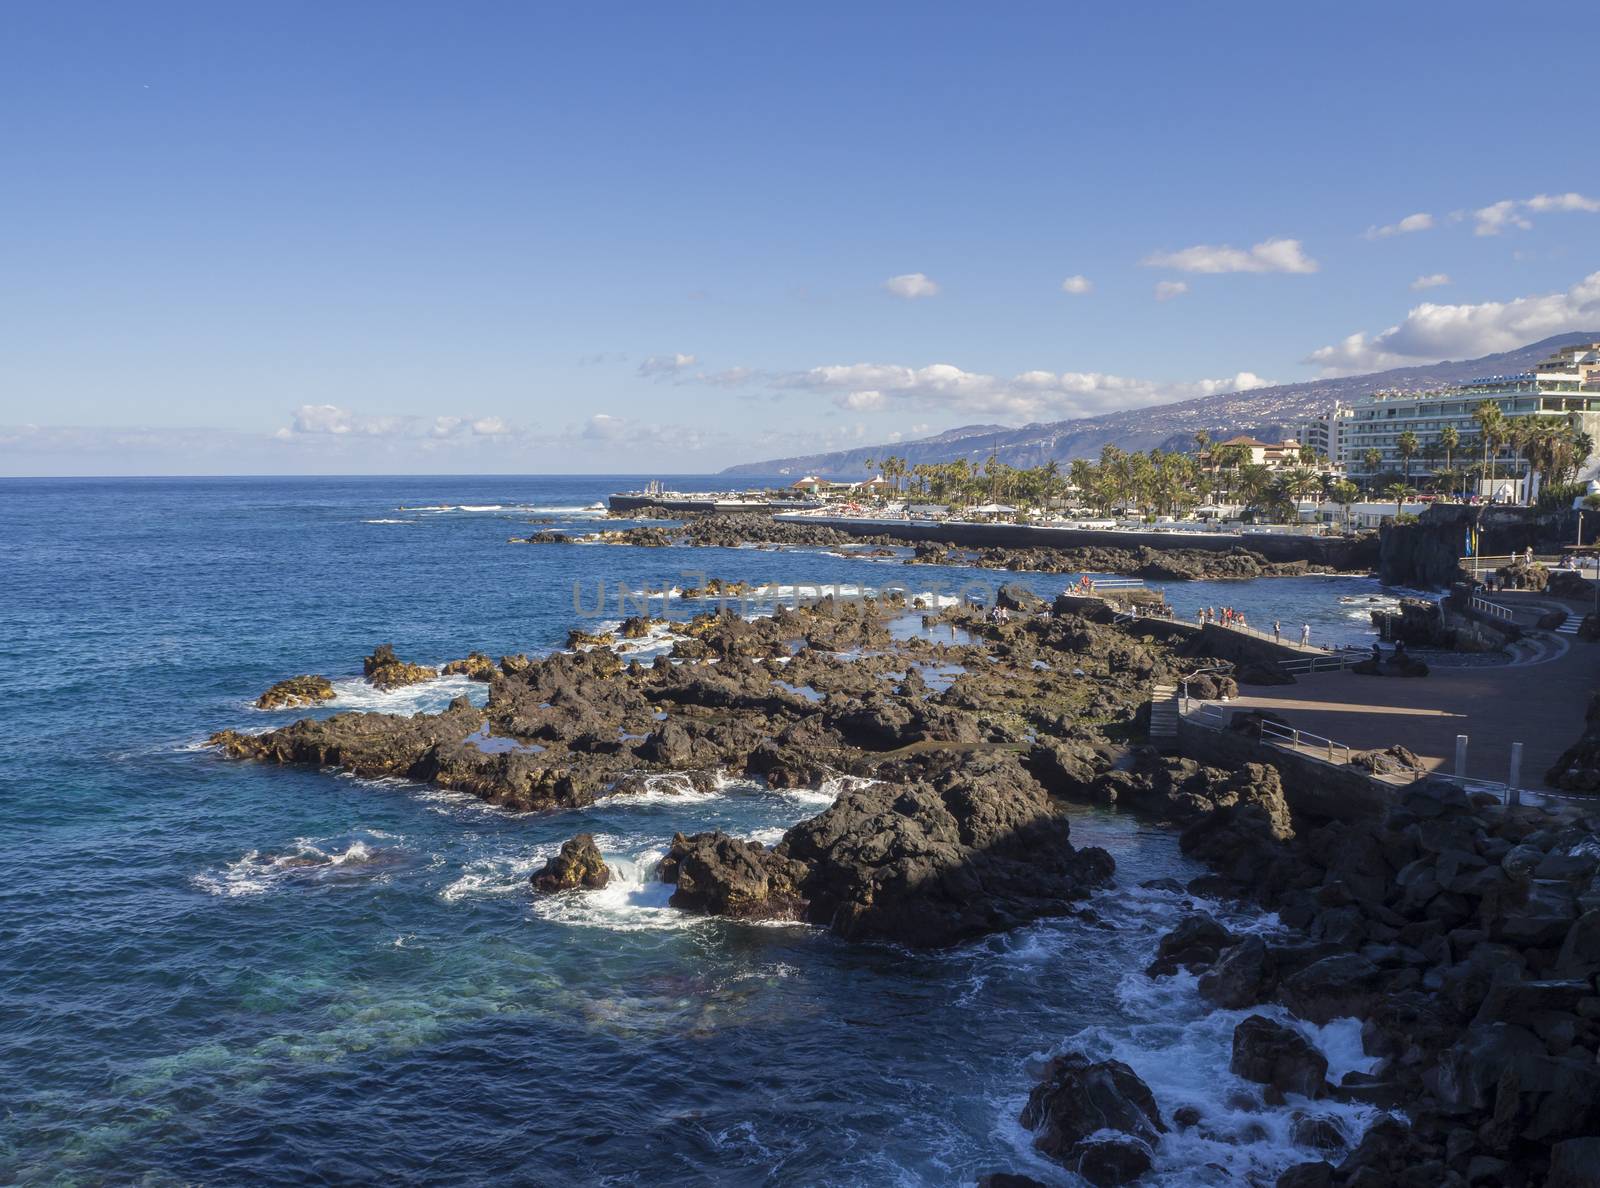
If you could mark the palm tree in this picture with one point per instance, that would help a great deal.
(1408, 446)
(1450, 441)
(1491, 430)
(1373, 458)
(1255, 480)
(1344, 492)
(1399, 493)
(1051, 484)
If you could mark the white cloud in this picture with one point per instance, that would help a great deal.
(1167, 290)
(1513, 212)
(1421, 221)
(862, 401)
(1432, 281)
(1038, 395)
(1270, 255)
(661, 365)
(1432, 332)
(1543, 203)
(1077, 285)
(912, 286)
(603, 427)
(329, 421)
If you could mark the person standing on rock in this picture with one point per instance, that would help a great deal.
(1277, 632)
(1305, 635)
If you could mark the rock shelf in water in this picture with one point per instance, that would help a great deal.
(1464, 933)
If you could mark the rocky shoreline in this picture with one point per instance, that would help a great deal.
(1465, 934)
(742, 529)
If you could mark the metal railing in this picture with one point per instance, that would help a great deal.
(1114, 583)
(1499, 789)
(1279, 734)
(1282, 639)
(1225, 667)
(1338, 662)
(1484, 606)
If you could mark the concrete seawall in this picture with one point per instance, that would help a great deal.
(1359, 553)
(1316, 789)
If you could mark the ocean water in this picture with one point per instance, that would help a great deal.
(224, 973)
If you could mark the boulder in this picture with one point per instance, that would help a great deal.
(1240, 976)
(1278, 1056)
(578, 865)
(475, 665)
(727, 876)
(1016, 597)
(1078, 1098)
(1109, 1159)
(978, 850)
(1343, 984)
(1192, 945)
(296, 692)
(384, 670)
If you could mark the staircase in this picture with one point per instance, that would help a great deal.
(1570, 625)
(1164, 715)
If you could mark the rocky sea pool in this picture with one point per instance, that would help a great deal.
(226, 972)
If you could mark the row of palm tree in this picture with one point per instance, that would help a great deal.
(1171, 482)
(1549, 448)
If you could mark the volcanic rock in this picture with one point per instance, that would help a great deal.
(1279, 1057)
(384, 670)
(579, 864)
(295, 692)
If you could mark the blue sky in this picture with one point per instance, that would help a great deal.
(502, 237)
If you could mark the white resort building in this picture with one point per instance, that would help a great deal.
(1565, 385)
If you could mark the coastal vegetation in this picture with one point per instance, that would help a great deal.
(1160, 482)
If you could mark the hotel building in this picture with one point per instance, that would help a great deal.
(1567, 385)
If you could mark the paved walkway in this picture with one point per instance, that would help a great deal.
(1539, 704)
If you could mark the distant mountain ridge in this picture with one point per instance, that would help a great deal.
(1267, 412)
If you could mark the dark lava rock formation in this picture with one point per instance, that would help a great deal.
(978, 850)
(384, 670)
(578, 866)
(296, 692)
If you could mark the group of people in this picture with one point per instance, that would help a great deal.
(1305, 633)
(1227, 616)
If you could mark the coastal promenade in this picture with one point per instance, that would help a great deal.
(1538, 700)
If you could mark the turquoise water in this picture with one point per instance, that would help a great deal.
(227, 973)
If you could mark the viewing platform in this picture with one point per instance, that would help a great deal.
(1536, 696)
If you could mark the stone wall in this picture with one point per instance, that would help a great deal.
(1326, 791)
(1338, 552)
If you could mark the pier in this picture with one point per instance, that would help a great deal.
(1536, 698)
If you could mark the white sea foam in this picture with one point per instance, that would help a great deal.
(670, 787)
(496, 875)
(306, 861)
(424, 697)
(829, 791)
(455, 507)
(633, 900)
(1182, 1046)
